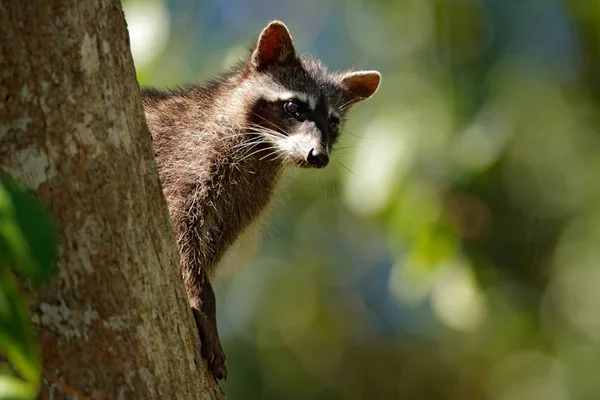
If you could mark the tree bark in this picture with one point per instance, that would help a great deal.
(115, 323)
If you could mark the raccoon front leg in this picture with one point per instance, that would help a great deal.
(199, 290)
(204, 309)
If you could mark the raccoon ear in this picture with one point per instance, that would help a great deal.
(362, 84)
(275, 46)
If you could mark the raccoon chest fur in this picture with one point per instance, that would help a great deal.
(241, 251)
(217, 202)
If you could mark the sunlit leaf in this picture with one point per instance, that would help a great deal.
(12, 388)
(17, 340)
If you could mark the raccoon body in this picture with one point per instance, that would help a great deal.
(220, 149)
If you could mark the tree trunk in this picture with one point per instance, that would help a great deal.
(115, 322)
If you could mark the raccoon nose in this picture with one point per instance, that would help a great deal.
(317, 159)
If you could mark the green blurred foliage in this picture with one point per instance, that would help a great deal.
(451, 249)
(27, 245)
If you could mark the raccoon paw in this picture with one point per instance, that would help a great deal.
(211, 348)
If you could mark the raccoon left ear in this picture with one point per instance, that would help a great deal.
(362, 84)
(275, 46)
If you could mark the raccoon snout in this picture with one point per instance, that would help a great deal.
(317, 159)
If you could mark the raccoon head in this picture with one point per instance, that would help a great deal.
(298, 107)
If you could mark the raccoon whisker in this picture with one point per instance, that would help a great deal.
(235, 135)
(348, 151)
(241, 151)
(273, 134)
(282, 166)
(265, 119)
(239, 154)
(279, 154)
(256, 152)
(268, 122)
(280, 157)
(339, 98)
(265, 127)
(276, 152)
(250, 155)
(346, 104)
(244, 145)
(263, 135)
(270, 133)
(271, 137)
(349, 147)
(349, 103)
(356, 136)
(346, 168)
(261, 128)
(272, 155)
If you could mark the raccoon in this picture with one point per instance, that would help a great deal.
(220, 149)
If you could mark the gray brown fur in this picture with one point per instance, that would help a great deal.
(221, 147)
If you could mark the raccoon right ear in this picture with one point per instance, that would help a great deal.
(275, 46)
(362, 84)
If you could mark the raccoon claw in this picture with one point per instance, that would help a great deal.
(222, 373)
(211, 348)
(217, 364)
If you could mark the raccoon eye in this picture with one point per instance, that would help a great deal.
(333, 125)
(293, 108)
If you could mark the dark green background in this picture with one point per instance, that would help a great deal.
(451, 249)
